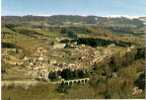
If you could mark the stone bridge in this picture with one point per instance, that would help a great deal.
(72, 68)
(70, 82)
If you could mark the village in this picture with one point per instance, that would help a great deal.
(39, 66)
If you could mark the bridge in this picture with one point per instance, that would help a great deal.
(72, 68)
(70, 82)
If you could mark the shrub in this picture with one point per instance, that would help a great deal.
(53, 76)
(63, 88)
(140, 81)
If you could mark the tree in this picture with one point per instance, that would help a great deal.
(53, 76)
(67, 74)
(140, 81)
(63, 88)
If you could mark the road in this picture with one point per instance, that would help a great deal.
(19, 82)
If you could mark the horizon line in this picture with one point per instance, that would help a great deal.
(112, 16)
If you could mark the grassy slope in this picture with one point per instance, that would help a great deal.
(47, 91)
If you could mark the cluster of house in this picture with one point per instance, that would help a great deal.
(37, 64)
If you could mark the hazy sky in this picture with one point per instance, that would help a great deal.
(74, 7)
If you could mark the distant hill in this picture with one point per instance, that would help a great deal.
(143, 19)
(75, 20)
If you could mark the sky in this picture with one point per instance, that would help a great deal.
(74, 7)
